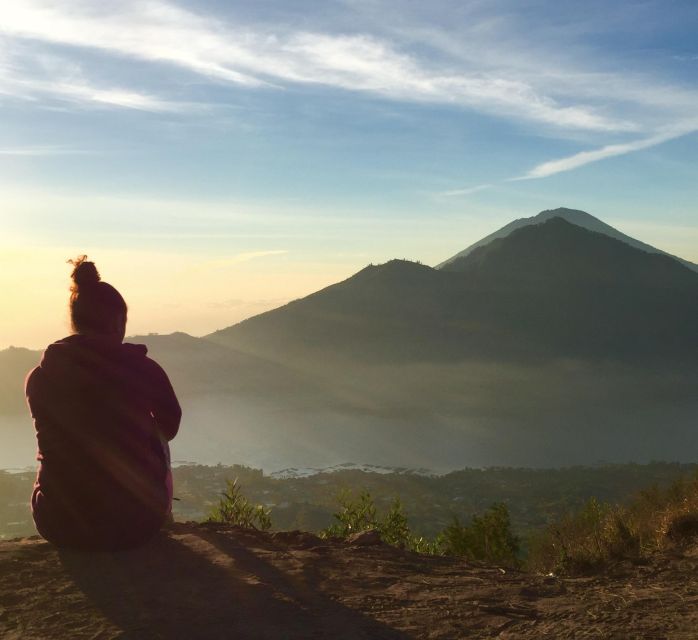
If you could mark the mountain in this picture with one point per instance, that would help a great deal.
(550, 346)
(548, 290)
(574, 216)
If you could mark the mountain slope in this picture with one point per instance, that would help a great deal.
(380, 310)
(547, 290)
(574, 216)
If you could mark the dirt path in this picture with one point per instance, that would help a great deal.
(215, 582)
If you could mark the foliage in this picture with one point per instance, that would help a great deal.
(354, 516)
(394, 528)
(488, 537)
(360, 514)
(234, 508)
(579, 541)
(534, 497)
(600, 533)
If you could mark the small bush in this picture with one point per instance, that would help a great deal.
(601, 533)
(581, 541)
(233, 508)
(488, 538)
(360, 514)
(354, 516)
(394, 528)
(683, 528)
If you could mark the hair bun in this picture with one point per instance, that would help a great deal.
(84, 273)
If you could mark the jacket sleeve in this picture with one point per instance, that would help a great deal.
(32, 390)
(164, 404)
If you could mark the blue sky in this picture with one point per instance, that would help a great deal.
(269, 148)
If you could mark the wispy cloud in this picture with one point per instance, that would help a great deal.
(113, 97)
(555, 57)
(577, 160)
(488, 64)
(35, 77)
(464, 192)
(159, 32)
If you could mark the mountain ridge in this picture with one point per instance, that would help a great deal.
(492, 301)
(574, 216)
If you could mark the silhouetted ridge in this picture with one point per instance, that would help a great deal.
(552, 289)
(381, 309)
(394, 273)
(574, 216)
(560, 251)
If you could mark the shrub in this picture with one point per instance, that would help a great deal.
(600, 533)
(354, 516)
(581, 540)
(360, 514)
(394, 528)
(233, 508)
(488, 538)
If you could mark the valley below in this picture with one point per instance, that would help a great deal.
(308, 501)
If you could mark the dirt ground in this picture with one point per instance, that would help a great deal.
(203, 581)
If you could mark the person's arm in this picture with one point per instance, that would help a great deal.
(165, 406)
(30, 389)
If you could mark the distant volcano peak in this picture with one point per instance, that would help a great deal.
(567, 214)
(560, 211)
(573, 216)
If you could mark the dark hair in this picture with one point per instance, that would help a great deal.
(93, 304)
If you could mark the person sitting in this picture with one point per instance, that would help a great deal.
(104, 413)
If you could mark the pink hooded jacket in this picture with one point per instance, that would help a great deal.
(103, 413)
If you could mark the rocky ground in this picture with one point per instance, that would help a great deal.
(206, 581)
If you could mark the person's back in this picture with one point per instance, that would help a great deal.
(103, 413)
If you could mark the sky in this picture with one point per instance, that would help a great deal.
(217, 159)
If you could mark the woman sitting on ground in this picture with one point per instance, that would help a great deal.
(104, 413)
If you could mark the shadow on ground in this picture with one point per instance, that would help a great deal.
(207, 585)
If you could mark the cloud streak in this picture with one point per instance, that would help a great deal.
(464, 192)
(577, 160)
(485, 65)
(158, 32)
(64, 81)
